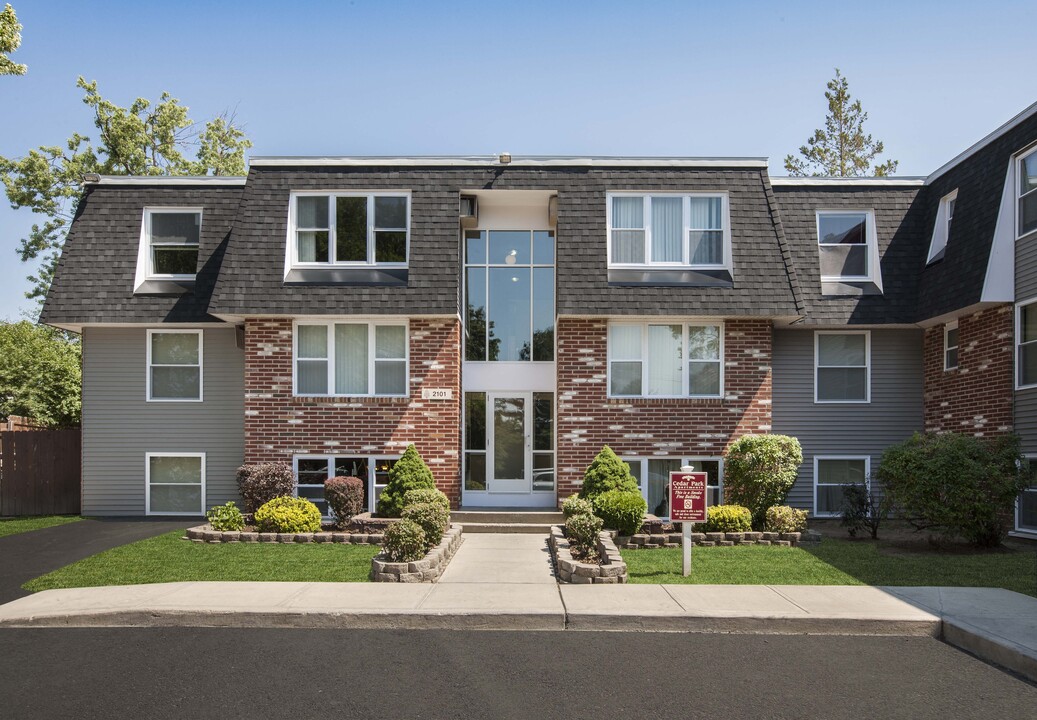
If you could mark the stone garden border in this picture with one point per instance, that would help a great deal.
(205, 533)
(612, 570)
(716, 539)
(428, 569)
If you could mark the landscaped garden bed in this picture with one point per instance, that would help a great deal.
(715, 539)
(249, 534)
(608, 568)
(425, 569)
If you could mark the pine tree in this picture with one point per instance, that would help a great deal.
(842, 148)
(607, 472)
(408, 473)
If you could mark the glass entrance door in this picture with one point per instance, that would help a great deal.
(510, 443)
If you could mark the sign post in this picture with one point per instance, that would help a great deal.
(688, 499)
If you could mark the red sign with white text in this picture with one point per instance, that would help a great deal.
(688, 497)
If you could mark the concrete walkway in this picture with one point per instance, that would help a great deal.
(505, 582)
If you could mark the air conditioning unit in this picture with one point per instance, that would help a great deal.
(469, 211)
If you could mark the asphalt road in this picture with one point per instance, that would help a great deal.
(239, 673)
(28, 555)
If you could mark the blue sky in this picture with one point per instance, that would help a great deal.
(607, 78)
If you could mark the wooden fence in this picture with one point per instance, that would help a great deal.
(40, 472)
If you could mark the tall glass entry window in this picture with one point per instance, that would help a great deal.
(509, 442)
(510, 295)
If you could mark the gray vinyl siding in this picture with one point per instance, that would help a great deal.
(862, 430)
(119, 426)
(1026, 289)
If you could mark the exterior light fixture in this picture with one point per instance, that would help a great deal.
(504, 158)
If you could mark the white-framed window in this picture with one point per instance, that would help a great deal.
(1027, 215)
(174, 359)
(666, 359)
(942, 226)
(653, 477)
(1026, 505)
(312, 471)
(1026, 344)
(831, 474)
(169, 240)
(950, 346)
(351, 358)
(174, 483)
(848, 246)
(349, 228)
(669, 230)
(842, 366)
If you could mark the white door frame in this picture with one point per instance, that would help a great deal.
(523, 485)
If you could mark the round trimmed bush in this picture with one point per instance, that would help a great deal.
(288, 515)
(759, 471)
(582, 531)
(576, 505)
(621, 510)
(261, 483)
(728, 518)
(607, 472)
(225, 517)
(432, 518)
(426, 495)
(785, 519)
(345, 495)
(404, 541)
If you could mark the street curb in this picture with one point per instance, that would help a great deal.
(756, 625)
(992, 648)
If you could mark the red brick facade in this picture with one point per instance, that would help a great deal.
(279, 425)
(588, 419)
(976, 397)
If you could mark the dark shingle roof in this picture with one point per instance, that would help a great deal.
(94, 279)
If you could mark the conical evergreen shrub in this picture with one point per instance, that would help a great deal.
(607, 472)
(409, 473)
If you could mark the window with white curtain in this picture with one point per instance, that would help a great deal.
(174, 360)
(348, 358)
(665, 359)
(668, 230)
(842, 366)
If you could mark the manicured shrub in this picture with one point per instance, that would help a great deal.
(576, 505)
(288, 515)
(345, 495)
(259, 484)
(225, 517)
(424, 495)
(784, 519)
(433, 519)
(862, 510)
(759, 471)
(621, 510)
(728, 518)
(955, 485)
(408, 473)
(582, 531)
(404, 541)
(607, 472)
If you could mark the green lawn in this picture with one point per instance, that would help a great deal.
(836, 562)
(13, 526)
(168, 558)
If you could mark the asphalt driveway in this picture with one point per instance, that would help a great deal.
(30, 554)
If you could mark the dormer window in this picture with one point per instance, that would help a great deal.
(171, 240)
(848, 247)
(667, 230)
(1027, 194)
(349, 229)
(942, 227)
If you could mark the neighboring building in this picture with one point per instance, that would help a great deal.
(511, 316)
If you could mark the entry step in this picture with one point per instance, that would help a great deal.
(545, 518)
(506, 528)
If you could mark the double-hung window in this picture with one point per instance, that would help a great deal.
(1027, 193)
(653, 478)
(848, 246)
(842, 367)
(831, 475)
(349, 229)
(170, 241)
(175, 483)
(312, 471)
(942, 226)
(666, 360)
(669, 230)
(950, 346)
(351, 359)
(174, 365)
(1026, 343)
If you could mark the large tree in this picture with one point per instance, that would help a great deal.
(143, 139)
(40, 374)
(842, 148)
(10, 39)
